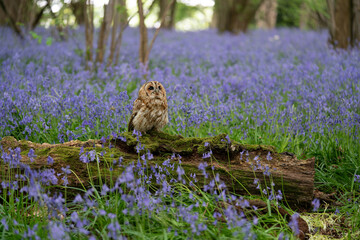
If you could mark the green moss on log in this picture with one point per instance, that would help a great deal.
(295, 178)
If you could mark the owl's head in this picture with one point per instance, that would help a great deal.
(153, 90)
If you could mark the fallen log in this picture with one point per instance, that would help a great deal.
(246, 169)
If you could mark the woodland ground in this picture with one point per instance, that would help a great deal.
(285, 88)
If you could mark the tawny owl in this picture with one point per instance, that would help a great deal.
(150, 110)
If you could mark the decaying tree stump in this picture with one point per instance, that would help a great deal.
(242, 167)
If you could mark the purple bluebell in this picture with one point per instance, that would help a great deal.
(316, 204)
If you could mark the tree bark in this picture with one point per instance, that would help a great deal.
(124, 23)
(13, 23)
(21, 11)
(119, 25)
(266, 15)
(344, 22)
(169, 20)
(356, 22)
(25, 12)
(304, 16)
(114, 30)
(89, 32)
(78, 8)
(144, 48)
(237, 164)
(104, 31)
(143, 57)
(38, 17)
(235, 15)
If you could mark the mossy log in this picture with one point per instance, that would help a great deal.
(237, 164)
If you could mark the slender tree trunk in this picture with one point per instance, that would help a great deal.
(120, 24)
(89, 32)
(124, 22)
(78, 8)
(304, 16)
(104, 31)
(118, 45)
(38, 17)
(266, 15)
(344, 22)
(356, 22)
(235, 15)
(172, 15)
(114, 30)
(144, 48)
(143, 35)
(169, 21)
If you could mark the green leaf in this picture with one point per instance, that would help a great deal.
(49, 41)
(36, 36)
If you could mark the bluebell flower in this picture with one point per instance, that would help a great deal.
(294, 224)
(316, 204)
(31, 154)
(4, 223)
(78, 199)
(268, 156)
(57, 231)
(50, 160)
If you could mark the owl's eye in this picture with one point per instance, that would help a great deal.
(151, 88)
(159, 87)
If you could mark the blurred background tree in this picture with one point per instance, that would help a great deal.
(78, 9)
(20, 13)
(169, 20)
(235, 16)
(266, 15)
(344, 24)
(340, 17)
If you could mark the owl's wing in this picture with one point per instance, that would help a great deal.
(137, 105)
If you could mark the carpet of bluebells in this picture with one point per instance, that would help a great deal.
(287, 88)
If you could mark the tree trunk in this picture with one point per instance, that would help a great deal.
(304, 16)
(143, 57)
(10, 14)
(78, 8)
(344, 22)
(104, 31)
(114, 30)
(235, 15)
(38, 17)
(124, 23)
(20, 11)
(89, 32)
(356, 22)
(119, 25)
(169, 20)
(266, 15)
(144, 49)
(242, 167)
(26, 12)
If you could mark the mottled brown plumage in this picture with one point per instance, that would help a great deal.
(150, 109)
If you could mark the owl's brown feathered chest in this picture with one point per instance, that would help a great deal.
(150, 109)
(153, 109)
(151, 114)
(155, 104)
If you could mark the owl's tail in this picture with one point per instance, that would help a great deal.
(130, 124)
